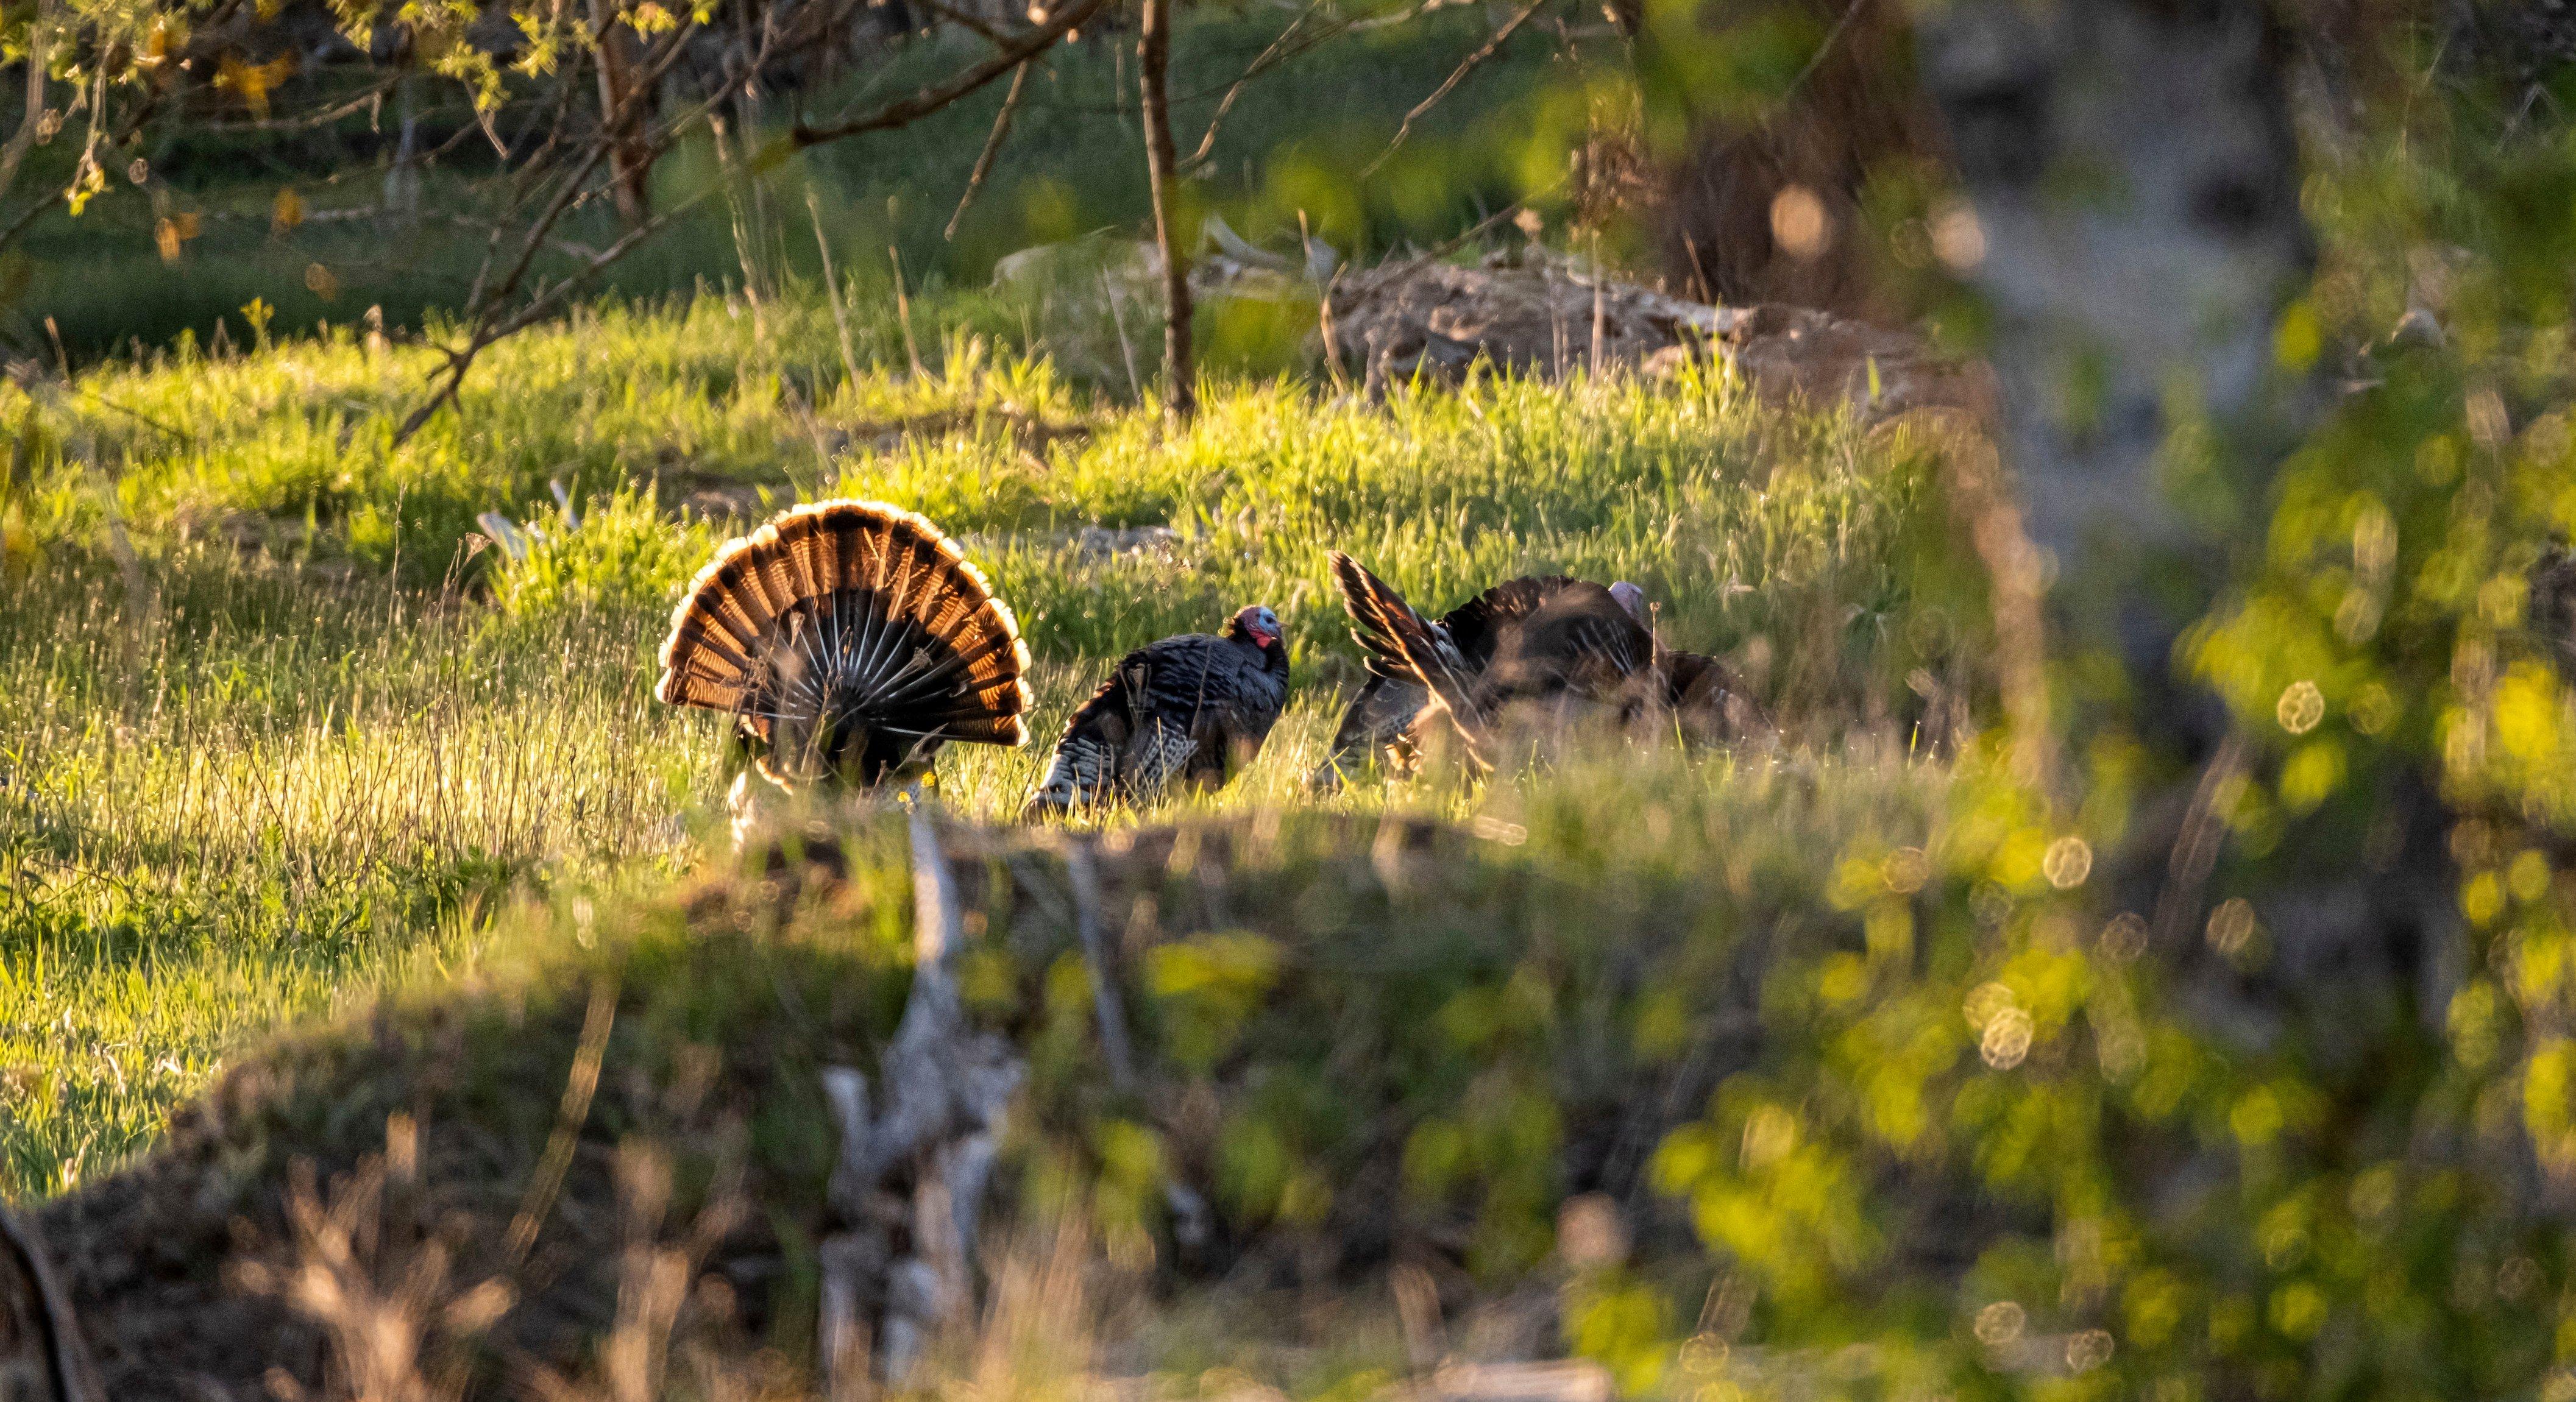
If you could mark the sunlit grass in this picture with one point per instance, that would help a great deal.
(321, 731)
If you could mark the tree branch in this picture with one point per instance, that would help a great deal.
(992, 147)
(929, 100)
(25, 137)
(1270, 57)
(1458, 75)
(491, 328)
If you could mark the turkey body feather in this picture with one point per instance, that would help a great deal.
(849, 641)
(1382, 715)
(1553, 643)
(1191, 710)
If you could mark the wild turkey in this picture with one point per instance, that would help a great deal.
(1697, 693)
(1552, 642)
(1382, 717)
(849, 641)
(1193, 708)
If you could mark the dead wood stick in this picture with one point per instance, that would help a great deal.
(832, 289)
(1126, 348)
(992, 147)
(903, 313)
(570, 1115)
(2196, 842)
(945, 1091)
(1105, 1002)
(1456, 76)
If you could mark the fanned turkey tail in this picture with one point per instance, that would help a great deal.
(1403, 645)
(848, 639)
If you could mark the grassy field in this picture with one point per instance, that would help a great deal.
(280, 734)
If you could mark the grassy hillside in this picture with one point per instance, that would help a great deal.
(1397, 1036)
(281, 732)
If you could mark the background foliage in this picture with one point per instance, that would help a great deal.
(2230, 1058)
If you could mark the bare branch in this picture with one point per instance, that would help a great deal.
(1270, 57)
(992, 147)
(569, 190)
(1456, 76)
(611, 124)
(929, 100)
(310, 120)
(967, 21)
(462, 360)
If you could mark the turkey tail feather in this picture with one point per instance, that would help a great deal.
(1409, 649)
(841, 616)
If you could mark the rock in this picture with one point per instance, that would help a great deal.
(1540, 314)
(1439, 318)
(1081, 265)
(1081, 268)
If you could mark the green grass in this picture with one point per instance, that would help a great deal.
(1392, 1029)
(261, 781)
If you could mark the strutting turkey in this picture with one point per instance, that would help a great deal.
(1193, 708)
(1553, 642)
(849, 641)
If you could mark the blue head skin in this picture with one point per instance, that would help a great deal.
(1631, 598)
(1256, 622)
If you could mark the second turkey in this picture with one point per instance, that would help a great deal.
(1191, 710)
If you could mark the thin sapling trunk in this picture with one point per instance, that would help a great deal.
(1153, 61)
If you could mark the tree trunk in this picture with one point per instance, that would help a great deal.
(2133, 220)
(1153, 58)
(630, 157)
(932, 1136)
(402, 181)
